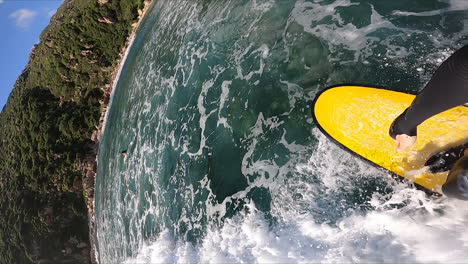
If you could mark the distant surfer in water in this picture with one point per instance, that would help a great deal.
(447, 88)
(124, 155)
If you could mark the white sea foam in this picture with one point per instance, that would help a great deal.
(362, 40)
(407, 227)
(391, 236)
(454, 5)
(295, 92)
(339, 33)
(222, 100)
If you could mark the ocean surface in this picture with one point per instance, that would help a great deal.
(224, 163)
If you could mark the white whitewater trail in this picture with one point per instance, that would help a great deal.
(405, 226)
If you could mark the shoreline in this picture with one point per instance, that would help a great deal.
(89, 166)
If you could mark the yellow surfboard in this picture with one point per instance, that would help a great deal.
(359, 118)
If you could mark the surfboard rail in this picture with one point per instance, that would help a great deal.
(367, 112)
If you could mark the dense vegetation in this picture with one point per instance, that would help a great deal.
(46, 129)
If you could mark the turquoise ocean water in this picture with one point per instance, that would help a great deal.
(224, 163)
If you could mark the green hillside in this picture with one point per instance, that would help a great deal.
(46, 129)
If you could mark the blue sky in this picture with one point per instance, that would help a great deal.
(21, 23)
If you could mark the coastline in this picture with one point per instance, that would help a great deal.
(89, 167)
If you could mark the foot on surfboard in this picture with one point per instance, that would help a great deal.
(444, 160)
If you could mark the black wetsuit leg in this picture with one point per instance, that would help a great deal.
(447, 88)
